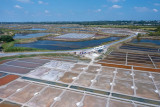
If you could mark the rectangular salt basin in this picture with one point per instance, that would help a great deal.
(124, 74)
(103, 82)
(93, 69)
(9, 104)
(13, 69)
(107, 71)
(156, 77)
(68, 77)
(142, 64)
(26, 94)
(52, 75)
(146, 90)
(65, 66)
(23, 64)
(158, 86)
(40, 61)
(142, 76)
(85, 80)
(39, 72)
(123, 86)
(52, 64)
(93, 101)
(114, 61)
(11, 88)
(59, 65)
(78, 68)
(41, 101)
(7, 79)
(75, 36)
(117, 103)
(69, 99)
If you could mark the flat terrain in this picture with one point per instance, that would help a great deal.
(86, 84)
(125, 77)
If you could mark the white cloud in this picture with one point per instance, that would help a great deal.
(41, 2)
(104, 6)
(141, 9)
(116, 6)
(18, 6)
(157, 4)
(155, 10)
(114, 1)
(98, 10)
(46, 11)
(25, 1)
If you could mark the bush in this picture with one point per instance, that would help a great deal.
(1, 32)
(158, 29)
(6, 38)
(156, 33)
(19, 49)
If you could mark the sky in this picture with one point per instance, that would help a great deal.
(78, 10)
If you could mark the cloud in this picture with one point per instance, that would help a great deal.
(114, 1)
(46, 11)
(104, 6)
(155, 10)
(116, 6)
(98, 10)
(25, 1)
(41, 2)
(141, 9)
(157, 4)
(17, 6)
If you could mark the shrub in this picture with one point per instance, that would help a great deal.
(1, 32)
(6, 38)
(158, 29)
(156, 33)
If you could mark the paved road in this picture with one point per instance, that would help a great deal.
(84, 50)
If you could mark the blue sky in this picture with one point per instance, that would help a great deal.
(78, 10)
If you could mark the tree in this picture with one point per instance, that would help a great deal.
(158, 29)
(1, 32)
(6, 38)
(138, 37)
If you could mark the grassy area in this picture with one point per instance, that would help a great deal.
(9, 32)
(9, 47)
(55, 55)
(126, 26)
(21, 41)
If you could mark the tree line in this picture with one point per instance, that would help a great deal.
(155, 22)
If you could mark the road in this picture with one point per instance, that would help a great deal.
(71, 51)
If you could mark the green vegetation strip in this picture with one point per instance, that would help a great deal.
(136, 99)
(89, 90)
(9, 47)
(44, 81)
(96, 91)
(56, 55)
